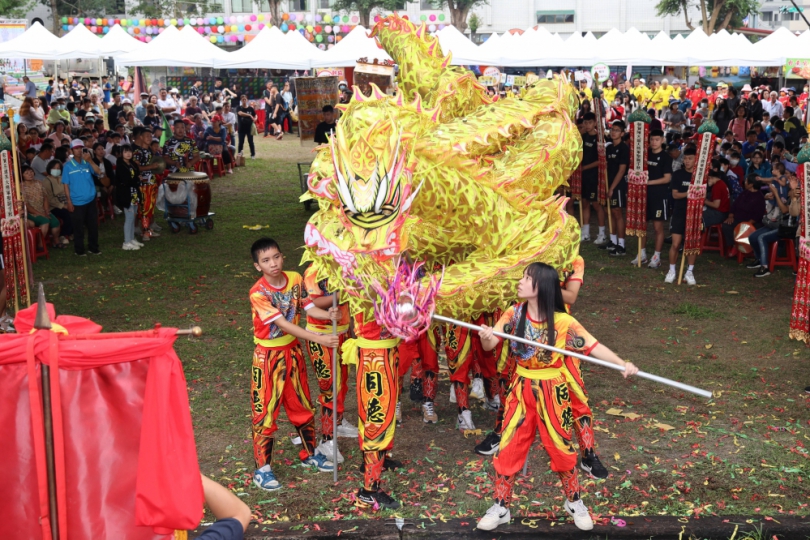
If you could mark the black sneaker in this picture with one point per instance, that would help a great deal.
(490, 445)
(91, 252)
(81, 254)
(763, 272)
(609, 246)
(590, 464)
(620, 251)
(754, 265)
(807, 389)
(389, 464)
(416, 391)
(378, 499)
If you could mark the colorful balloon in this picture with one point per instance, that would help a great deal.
(213, 39)
(432, 17)
(327, 18)
(248, 28)
(441, 16)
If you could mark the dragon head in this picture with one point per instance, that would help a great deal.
(373, 185)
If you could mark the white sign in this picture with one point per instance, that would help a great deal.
(601, 70)
(492, 72)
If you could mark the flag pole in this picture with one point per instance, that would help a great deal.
(334, 396)
(591, 359)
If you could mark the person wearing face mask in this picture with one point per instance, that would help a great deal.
(58, 113)
(57, 200)
(608, 91)
(140, 108)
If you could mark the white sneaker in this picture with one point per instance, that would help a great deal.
(494, 404)
(452, 393)
(634, 262)
(465, 421)
(155, 227)
(600, 240)
(428, 413)
(578, 511)
(496, 515)
(690, 278)
(655, 262)
(477, 389)
(585, 236)
(327, 449)
(130, 247)
(137, 243)
(399, 413)
(346, 429)
(670, 277)
(117, 211)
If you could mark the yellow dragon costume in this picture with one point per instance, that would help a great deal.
(446, 174)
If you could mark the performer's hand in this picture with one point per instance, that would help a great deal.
(610, 193)
(629, 369)
(334, 314)
(486, 333)
(729, 221)
(328, 340)
(70, 207)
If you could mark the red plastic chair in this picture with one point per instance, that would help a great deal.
(36, 238)
(100, 210)
(788, 260)
(708, 243)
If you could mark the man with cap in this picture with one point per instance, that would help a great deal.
(114, 110)
(140, 108)
(166, 103)
(80, 192)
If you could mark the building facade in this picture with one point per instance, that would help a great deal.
(776, 13)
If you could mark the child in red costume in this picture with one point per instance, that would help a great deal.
(539, 396)
(279, 373)
(421, 358)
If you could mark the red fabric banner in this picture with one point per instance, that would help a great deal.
(576, 183)
(125, 457)
(697, 194)
(800, 312)
(637, 178)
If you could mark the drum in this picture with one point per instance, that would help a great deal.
(188, 195)
(741, 233)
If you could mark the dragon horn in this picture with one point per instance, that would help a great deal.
(358, 95)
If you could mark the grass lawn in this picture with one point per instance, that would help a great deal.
(669, 453)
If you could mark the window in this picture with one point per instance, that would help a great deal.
(264, 6)
(426, 5)
(555, 17)
(325, 4)
(299, 5)
(241, 6)
(767, 16)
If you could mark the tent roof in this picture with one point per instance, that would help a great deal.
(465, 52)
(80, 43)
(351, 48)
(117, 42)
(297, 54)
(35, 43)
(173, 47)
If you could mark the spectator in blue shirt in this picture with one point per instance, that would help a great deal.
(107, 88)
(80, 191)
(750, 144)
(30, 88)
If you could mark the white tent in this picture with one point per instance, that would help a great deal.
(256, 54)
(117, 43)
(300, 50)
(35, 43)
(491, 48)
(80, 43)
(181, 48)
(464, 51)
(351, 48)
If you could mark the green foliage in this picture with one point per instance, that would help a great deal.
(715, 14)
(459, 9)
(15, 9)
(474, 22)
(170, 8)
(365, 7)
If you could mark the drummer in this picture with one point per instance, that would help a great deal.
(180, 152)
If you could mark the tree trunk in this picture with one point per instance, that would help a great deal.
(458, 18)
(55, 16)
(703, 14)
(365, 17)
(726, 20)
(274, 11)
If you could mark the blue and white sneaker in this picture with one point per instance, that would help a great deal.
(266, 480)
(320, 461)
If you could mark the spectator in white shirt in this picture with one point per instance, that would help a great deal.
(773, 106)
(166, 103)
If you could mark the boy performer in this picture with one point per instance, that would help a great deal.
(681, 183)
(458, 348)
(374, 351)
(279, 373)
(618, 159)
(421, 357)
(590, 179)
(659, 167)
(321, 359)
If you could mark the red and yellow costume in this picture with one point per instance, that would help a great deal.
(421, 358)
(374, 351)
(279, 374)
(149, 187)
(539, 399)
(321, 357)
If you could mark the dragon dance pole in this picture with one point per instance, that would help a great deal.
(17, 179)
(644, 375)
(334, 396)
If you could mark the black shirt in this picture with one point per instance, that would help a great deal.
(617, 155)
(244, 122)
(112, 115)
(321, 132)
(680, 183)
(590, 152)
(657, 166)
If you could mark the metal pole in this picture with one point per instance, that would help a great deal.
(800, 13)
(603, 363)
(335, 375)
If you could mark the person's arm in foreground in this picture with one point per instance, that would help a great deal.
(224, 504)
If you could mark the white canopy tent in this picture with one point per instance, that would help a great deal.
(118, 43)
(464, 51)
(178, 48)
(351, 48)
(35, 43)
(255, 55)
(296, 43)
(80, 43)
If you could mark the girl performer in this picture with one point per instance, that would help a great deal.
(539, 395)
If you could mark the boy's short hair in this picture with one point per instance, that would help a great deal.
(327, 109)
(690, 151)
(751, 132)
(735, 155)
(778, 144)
(589, 117)
(262, 244)
(725, 146)
(656, 133)
(752, 179)
(619, 124)
(790, 110)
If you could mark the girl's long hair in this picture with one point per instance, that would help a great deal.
(549, 300)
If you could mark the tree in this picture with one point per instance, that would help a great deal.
(715, 14)
(81, 8)
(15, 9)
(365, 7)
(169, 8)
(473, 22)
(459, 9)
